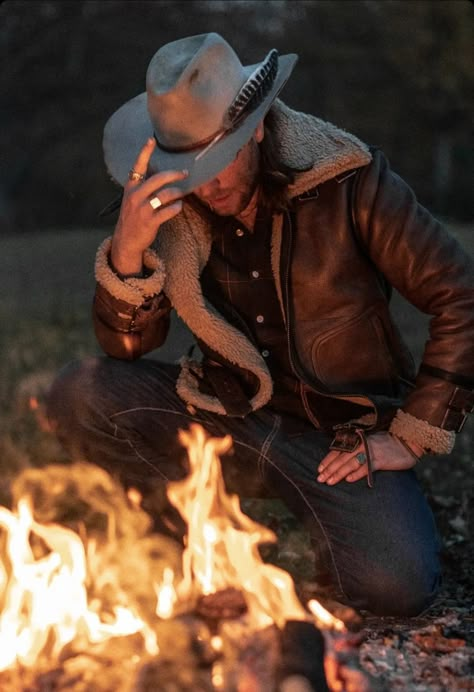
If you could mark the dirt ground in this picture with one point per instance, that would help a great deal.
(435, 652)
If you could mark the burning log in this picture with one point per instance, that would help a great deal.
(225, 604)
(302, 654)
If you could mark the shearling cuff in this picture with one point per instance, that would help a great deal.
(434, 440)
(131, 290)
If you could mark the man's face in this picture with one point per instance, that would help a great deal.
(230, 192)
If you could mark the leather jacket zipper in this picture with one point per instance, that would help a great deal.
(294, 368)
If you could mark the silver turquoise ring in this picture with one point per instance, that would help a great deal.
(361, 458)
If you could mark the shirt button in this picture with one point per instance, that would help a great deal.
(260, 319)
(239, 232)
(265, 353)
(255, 274)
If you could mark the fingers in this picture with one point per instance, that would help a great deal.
(165, 197)
(156, 181)
(359, 473)
(338, 466)
(141, 163)
(167, 213)
(387, 454)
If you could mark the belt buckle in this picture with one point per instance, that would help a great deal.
(345, 440)
(459, 407)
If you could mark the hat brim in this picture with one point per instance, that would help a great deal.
(128, 129)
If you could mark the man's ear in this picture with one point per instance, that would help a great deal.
(259, 132)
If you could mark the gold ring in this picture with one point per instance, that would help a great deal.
(155, 202)
(135, 175)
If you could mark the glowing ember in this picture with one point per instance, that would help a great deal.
(323, 617)
(44, 599)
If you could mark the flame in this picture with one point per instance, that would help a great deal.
(324, 619)
(166, 595)
(135, 497)
(39, 414)
(222, 544)
(44, 599)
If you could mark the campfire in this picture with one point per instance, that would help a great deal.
(217, 618)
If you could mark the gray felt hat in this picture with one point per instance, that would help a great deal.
(201, 105)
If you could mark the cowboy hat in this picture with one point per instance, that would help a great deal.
(201, 105)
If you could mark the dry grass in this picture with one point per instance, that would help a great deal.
(46, 289)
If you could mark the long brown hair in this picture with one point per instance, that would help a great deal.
(275, 176)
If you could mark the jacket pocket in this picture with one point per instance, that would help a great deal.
(356, 356)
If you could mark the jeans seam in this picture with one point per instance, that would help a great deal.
(266, 446)
(321, 525)
(260, 464)
(147, 461)
(159, 410)
(137, 453)
(308, 504)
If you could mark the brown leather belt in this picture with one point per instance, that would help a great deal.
(228, 389)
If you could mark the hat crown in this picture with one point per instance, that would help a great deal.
(202, 104)
(191, 83)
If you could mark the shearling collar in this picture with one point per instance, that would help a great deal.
(319, 151)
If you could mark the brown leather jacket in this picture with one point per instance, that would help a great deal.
(344, 243)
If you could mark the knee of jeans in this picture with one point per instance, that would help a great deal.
(69, 394)
(405, 592)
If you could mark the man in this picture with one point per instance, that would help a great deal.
(276, 238)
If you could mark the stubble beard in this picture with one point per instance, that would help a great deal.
(251, 182)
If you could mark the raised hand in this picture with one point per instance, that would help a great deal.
(145, 206)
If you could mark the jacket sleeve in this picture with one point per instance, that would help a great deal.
(131, 316)
(433, 272)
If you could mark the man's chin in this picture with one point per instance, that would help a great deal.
(230, 204)
(224, 206)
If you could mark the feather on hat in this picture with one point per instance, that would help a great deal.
(201, 105)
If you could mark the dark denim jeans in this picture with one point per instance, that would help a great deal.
(380, 544)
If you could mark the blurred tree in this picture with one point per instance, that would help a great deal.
(401, 75)
(435, 63)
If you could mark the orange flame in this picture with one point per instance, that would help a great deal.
(222, 545)
(44, 599)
